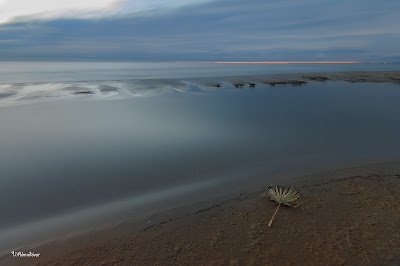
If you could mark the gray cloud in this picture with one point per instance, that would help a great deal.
(361, 30)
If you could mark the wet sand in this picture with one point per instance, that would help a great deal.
(349, 217)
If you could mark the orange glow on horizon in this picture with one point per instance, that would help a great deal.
(281, 62)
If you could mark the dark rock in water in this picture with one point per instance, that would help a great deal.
(252, 85)
(317, 78)
(83, 92)
(274, 83)
(296, 82)
(239, 85)
(214, 84)
(291, 82)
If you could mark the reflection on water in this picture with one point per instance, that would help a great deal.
(63, 157)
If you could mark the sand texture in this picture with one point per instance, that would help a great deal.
(344, 221)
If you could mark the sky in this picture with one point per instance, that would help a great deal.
(200, 30)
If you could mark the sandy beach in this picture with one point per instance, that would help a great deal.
(348, 217)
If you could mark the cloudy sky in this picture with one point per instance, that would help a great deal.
(200, 30)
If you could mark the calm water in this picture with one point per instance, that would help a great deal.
(86, 159)
(22, 72)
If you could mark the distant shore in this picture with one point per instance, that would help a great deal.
(349, 216)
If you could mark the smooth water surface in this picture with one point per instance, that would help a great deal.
(89, 158)
(59, 157)
(25, 72)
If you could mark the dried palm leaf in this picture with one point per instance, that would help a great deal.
(287, 196)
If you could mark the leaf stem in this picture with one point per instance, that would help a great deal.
(273, 216)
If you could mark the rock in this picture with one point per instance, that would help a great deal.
(83, 92)
(296, 82)
(239, 85)
(317, 78)
(214, 84)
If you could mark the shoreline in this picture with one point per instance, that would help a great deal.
(15, 94)
(98, 236)
(348, 76)
(346, 213)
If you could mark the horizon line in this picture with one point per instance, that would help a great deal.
(276, 62)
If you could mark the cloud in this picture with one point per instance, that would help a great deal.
(220, 30)
(27, 10)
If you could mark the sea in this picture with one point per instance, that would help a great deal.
(81, 146)
(28, 72)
